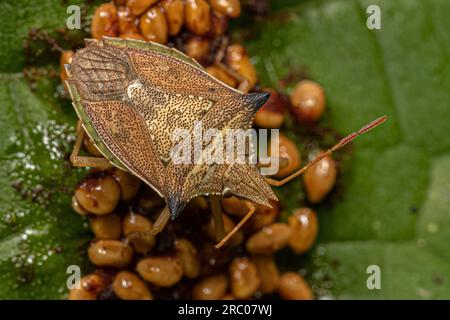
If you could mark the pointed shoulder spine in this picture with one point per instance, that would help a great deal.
(255, 100)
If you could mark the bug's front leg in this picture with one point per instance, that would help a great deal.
(244, 84)
(158, 226)
(217, 216)
(161, 221)
(82, 161)
(252, 209)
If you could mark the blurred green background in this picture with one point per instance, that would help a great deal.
(393, 211)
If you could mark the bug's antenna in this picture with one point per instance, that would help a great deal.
(336, 147)
(238, 226)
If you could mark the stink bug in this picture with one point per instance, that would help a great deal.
(131, 95)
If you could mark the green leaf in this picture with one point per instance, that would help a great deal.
(40, 235)
(393, 203)
(20, 17)
(394, 209)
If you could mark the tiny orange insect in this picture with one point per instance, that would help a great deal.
(131, 96)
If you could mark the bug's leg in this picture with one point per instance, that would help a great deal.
(220, 54)
(283, 162)
(244, 85)
(339, 145)
(217, 217)
(81, 161)
(161, 221)
(252, 209)
(158, 226)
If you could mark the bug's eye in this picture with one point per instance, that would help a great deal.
(226, 192)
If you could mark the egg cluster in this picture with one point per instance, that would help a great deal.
(182, 261)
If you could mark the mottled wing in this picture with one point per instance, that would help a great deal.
(172, 75)
(99, 79)
(126, 135)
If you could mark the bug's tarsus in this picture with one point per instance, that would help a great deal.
(81, 161)
(251, 211)
(217, 217)
(336, 147)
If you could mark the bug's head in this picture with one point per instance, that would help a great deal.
(245, 181)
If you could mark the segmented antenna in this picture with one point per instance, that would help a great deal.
(336, 147)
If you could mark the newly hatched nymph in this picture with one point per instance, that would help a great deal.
(131, 95)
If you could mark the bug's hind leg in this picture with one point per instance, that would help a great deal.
(244, 84)
(249, 214)
(161, 221)
(82, 161)
(158, 226)
(336, 147)
(217, 217)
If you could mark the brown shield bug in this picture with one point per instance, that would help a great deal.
(131, 96)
